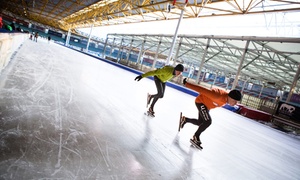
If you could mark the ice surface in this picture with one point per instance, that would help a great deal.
(65, 115)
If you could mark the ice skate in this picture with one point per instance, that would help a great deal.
(181, 121)
(196, 143)
(150, 112)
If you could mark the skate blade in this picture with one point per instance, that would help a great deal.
(179, 122)
(149, 114)
(195, 145)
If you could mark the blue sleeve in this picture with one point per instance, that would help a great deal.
(235, 108)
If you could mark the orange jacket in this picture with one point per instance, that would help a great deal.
(212, 98)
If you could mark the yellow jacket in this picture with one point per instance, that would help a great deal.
(164, 74)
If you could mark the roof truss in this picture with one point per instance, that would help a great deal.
(266, 59)
(73, 14)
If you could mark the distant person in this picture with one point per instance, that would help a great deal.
(36, 35)
(33, 35)
(206, 100)
(191, 72)
(19, 29)
(49, 39)
(1, 22)
(161, 76)
(13, 26)
(8, 27)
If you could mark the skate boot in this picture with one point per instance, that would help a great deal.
(150, 112)
(182, 122)
(196, 142)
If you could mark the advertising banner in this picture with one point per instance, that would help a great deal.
(290, 110)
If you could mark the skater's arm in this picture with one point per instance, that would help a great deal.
(210, 93)
(200, 89)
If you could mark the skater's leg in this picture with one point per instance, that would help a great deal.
(194, 121)
(160, 86)
(204, 118)
(149, 97)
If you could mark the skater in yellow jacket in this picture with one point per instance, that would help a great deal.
(161, 76)
(206, 100)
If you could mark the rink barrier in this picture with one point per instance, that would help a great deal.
(9, 45)
(254, 114)
(278, 119)
(170, 84)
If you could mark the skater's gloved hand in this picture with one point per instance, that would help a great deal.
(138, 78)
(184, 81)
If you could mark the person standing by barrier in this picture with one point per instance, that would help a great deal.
(49, 39)
(13, 25)
(36, 35)
(191, 72)
(206, 100)
(1, 22)
(161, 76)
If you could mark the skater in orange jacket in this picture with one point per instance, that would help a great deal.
(206, 100)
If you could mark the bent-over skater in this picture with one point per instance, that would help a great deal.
(161, 76)
(206, 100)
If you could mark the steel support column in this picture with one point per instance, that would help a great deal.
(68, 38)
(174, 38)
(292, 89)
(129, 52)
(236, 79)
(89, 39)
(177, 51)
(141, 52)
(202, 61)
(104, 48)
(156, 54)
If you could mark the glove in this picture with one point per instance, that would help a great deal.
(184, 81)
(138, 78)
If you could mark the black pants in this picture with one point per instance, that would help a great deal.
(203, 121)
(160, 86)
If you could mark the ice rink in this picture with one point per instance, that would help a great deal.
(66, 115)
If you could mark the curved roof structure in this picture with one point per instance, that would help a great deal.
(272, 61)
(71, 14)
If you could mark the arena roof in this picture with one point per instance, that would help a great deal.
(73, 14)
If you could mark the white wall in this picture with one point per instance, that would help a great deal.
(9, 43)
